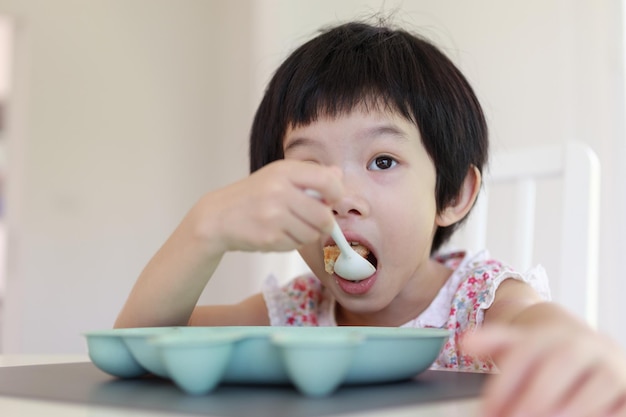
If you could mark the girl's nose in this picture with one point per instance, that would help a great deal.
(352, 204)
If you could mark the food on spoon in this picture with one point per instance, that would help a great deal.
(331, 253)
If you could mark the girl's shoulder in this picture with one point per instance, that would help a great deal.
(470, 283)
(464, 264)
(480, 270)
(472, 286)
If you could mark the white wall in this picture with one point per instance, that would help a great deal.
(125, 111)
(123, 114)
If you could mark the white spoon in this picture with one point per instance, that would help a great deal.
(349, 265)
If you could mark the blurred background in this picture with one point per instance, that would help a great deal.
(117, 115)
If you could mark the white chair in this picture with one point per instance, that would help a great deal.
(575, 167)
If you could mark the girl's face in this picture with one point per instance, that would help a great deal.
(389, 207)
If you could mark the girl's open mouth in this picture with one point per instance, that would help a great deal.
(352, 287)
(372, 259)
(332, 252)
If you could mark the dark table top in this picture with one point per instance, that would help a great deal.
(83, 383)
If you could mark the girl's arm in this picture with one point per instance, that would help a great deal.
(551, 363)
(168, 288)
(267, 211)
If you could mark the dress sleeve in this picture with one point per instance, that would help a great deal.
(474, 294)
(274, 300)
(535, 277)
(295, 304)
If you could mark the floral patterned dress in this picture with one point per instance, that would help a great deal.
(459, 306)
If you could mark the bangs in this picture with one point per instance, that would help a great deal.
(333, 80)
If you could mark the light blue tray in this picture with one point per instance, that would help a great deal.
(317, 360)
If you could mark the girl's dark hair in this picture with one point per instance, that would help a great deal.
(360, 64)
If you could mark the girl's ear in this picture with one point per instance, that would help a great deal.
(463, 202)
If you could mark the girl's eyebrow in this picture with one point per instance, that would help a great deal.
(369, 133)
(385, 130)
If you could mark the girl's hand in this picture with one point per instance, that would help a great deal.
(269, 210)
(551, 371)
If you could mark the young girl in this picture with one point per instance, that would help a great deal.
(389, 133)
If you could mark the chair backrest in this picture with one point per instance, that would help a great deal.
(576, 169)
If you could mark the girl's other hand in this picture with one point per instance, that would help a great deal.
(269, 210)
(551, 371)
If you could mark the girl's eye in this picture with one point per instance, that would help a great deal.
(382, 162)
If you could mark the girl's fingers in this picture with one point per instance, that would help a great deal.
(517, 365)
(556, 376)
(312, 211)
(489, 340)
(306, 226)
(596, 395)
(499, 343)
(549, 372)
(620, 408)
(269, 211)
(528, 364)
(324, 180)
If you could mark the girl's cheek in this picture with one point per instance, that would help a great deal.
(312, 255)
